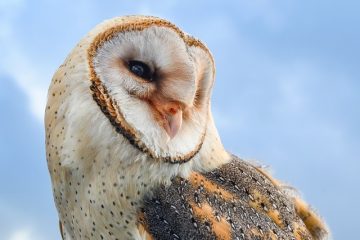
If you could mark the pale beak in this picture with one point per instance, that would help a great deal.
(174, 121)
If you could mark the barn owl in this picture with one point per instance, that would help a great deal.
(133, 151)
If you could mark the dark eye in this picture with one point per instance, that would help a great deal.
(140, 69)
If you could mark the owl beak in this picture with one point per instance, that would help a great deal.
(174, 121)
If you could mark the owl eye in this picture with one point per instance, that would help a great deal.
(140, 69)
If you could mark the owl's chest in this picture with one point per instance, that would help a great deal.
(98, 207)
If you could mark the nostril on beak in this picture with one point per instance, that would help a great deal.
(173, 110)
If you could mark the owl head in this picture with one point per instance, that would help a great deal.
(151, 82)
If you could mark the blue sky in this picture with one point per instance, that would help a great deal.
(287, 94)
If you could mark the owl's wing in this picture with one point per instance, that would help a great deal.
(236, 201)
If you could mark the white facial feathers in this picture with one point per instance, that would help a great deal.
(183, 75)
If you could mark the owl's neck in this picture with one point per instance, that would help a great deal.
(212, 153)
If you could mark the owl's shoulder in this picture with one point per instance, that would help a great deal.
(236, 201)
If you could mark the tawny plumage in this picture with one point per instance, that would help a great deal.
(133, 151)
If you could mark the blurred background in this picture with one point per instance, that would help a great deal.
(287, 94)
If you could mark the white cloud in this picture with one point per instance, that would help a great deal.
(15, 225)
(27, 77)
(15, 64)
(21, 234)
(24, 233)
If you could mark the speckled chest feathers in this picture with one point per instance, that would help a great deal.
(133, 151)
